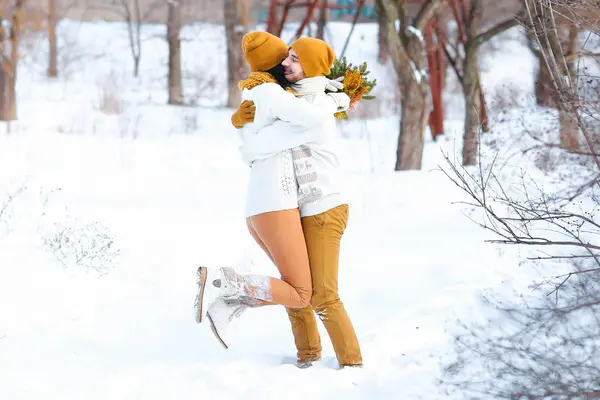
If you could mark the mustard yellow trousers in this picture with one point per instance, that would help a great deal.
(323, 233)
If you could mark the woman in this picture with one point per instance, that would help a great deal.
(322, 207)
(324, 213)
(272, 203)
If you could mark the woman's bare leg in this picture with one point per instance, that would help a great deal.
(258, 241)
(281, 234)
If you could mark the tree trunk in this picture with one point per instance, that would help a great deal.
(4, 78)
(8, 110)
(137, 55)
(472, 126)
(173, 30)
(569, 131)
(383, 33)
(236, 66)
(569, 126)
(415, 107)
(544, 87)
(408, 56)
(414, 117)
(559, 47)
(133, 18)
(485, 122)
(322, 20)
(53, 56)
(436, 82)
(472, 88)
(8, 70)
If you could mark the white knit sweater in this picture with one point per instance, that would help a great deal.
(289, 147)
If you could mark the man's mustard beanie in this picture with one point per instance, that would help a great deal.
(315, 55)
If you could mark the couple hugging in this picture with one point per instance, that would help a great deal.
(295, 207)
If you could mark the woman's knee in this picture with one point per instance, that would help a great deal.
(304, 296)
(304, 302)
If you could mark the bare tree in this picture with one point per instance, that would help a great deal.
(540, 346)
(406, 47)
(11, 19)
(543, 346)
(556, 42)
(173, 31)
(52, 39)
(382, 34)
(539, 219)
(552, 33)
(541, 349)
(544, 88)
(569, 127)
(234, 31)
(134, 16)
(322, 21)
(584, 13)
(57, 9)
(469, 18)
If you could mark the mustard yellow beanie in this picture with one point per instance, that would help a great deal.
(315, 55)
(262, 50)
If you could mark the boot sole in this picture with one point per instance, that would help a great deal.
(212, 327)
(201, 276)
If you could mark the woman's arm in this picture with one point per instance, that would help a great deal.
(278, 103)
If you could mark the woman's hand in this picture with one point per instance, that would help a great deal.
(244, 114)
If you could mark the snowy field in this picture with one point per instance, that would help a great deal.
(111, 214)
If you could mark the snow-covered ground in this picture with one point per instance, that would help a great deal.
(149, 193)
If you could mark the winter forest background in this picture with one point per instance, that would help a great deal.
(471, 262)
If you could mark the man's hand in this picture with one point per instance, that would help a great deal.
(341, 99)
(244, 114)
(333, 85)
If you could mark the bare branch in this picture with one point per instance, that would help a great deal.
(496, 29)
(538, 241)
(453, 64)
(426, 12)
(571, 257)
(10, 197)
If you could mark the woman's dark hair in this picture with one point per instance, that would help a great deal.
(278, 73)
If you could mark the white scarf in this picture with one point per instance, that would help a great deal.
(310, 86)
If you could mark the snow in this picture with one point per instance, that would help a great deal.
(416, 74)
(165, 187)
(415, 31)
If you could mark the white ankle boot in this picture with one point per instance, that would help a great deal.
(221, 313)
(250, 289)
(206, 279)
(236, 293)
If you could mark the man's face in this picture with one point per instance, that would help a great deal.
(292, 68)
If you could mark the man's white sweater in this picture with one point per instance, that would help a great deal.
(300, 131)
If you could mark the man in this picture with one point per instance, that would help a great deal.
(323, 209)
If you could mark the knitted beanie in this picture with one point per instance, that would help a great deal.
(262, 50)
(315, 55)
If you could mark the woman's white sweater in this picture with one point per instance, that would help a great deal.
(289, 148)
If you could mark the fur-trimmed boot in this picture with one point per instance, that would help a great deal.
(235, 294)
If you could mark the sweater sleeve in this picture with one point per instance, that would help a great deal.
(285, 106)
(297, 122)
